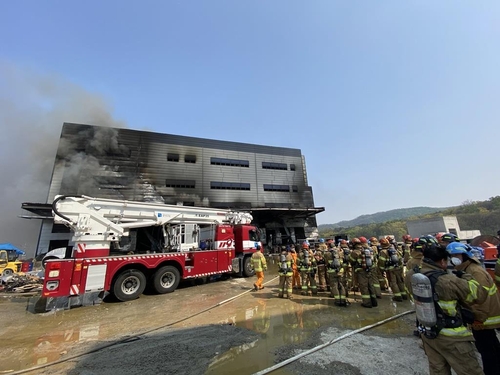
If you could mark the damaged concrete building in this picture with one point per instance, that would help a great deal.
(269, 182)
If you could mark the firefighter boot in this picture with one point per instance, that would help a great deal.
(374, 302)
(368, 305)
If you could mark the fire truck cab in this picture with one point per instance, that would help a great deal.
(121, 247)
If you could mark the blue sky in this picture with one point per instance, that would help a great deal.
(393, 103)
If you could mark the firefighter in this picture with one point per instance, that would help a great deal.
(447, 341)
(447, 238)
(415, 260)
(259, 264)
(335, 273)
(296, 284)
(486, 311)
(345, 250)
(390, 261)
(285, 273)
(382, 281)
(362, 263)
(373, 275)
(406, 248)
(307, 268)
(320, 262)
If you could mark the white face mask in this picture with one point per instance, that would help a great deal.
(455, 261)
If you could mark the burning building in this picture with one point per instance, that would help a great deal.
(270, 182)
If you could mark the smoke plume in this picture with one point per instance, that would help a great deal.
(33, 107)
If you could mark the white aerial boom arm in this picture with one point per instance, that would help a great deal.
(109, 219)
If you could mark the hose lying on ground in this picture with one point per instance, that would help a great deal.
(134, 337)
(319, 347)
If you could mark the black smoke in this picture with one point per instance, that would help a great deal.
(33, 108)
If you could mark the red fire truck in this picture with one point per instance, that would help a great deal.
(120, 247)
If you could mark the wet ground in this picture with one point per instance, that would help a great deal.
(198, 330)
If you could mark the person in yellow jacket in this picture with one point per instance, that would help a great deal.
(285, 273)
(449, 344)
(390, 260)
(296, 284)
(259, 264)
(362, 262)
(486, 311)
(335, 275)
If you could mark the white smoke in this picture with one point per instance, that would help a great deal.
(33, 107)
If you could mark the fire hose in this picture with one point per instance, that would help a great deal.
(319, 347)
(135, 337)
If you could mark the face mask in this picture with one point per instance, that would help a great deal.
(455, 261)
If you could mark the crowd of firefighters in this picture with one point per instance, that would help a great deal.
(369, 266)
(457, 302)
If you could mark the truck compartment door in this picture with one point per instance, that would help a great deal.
(96, 274)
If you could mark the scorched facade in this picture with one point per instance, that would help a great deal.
(270, 182)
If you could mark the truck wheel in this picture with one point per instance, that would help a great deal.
(166, 279)
(129, 285)
(247, 267)
(7, 272)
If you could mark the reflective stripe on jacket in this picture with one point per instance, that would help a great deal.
(487, 309)
(259, 261)
(452, 290)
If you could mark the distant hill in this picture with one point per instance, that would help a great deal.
(382, 217)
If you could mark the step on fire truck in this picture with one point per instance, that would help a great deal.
(120, 247)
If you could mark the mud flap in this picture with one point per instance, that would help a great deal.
(237, 265)
(66, 303)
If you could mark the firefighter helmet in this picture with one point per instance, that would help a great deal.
(305, 245)
(343, 242)
(356, 240)
(321, 240)
(384, 241)
(458, 248)
(373, 239)
(449, 237)
(363, 239)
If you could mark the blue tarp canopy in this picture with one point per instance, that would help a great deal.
(9, 246)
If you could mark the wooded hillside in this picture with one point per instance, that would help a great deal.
(482, 215)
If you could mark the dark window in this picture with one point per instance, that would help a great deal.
(253, 235)
(230, 162)
(172, 157)
(190, 159)
(55, 244)
(270, 187)
(292, 167)
(60, 228)
(229, 185)
(191, 204)
(279, 166)
(120, 153)
(295, 188)
(187, 184)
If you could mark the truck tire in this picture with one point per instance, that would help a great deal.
(7, 272)
(248, 271)
(129, 285)
(166, 279)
